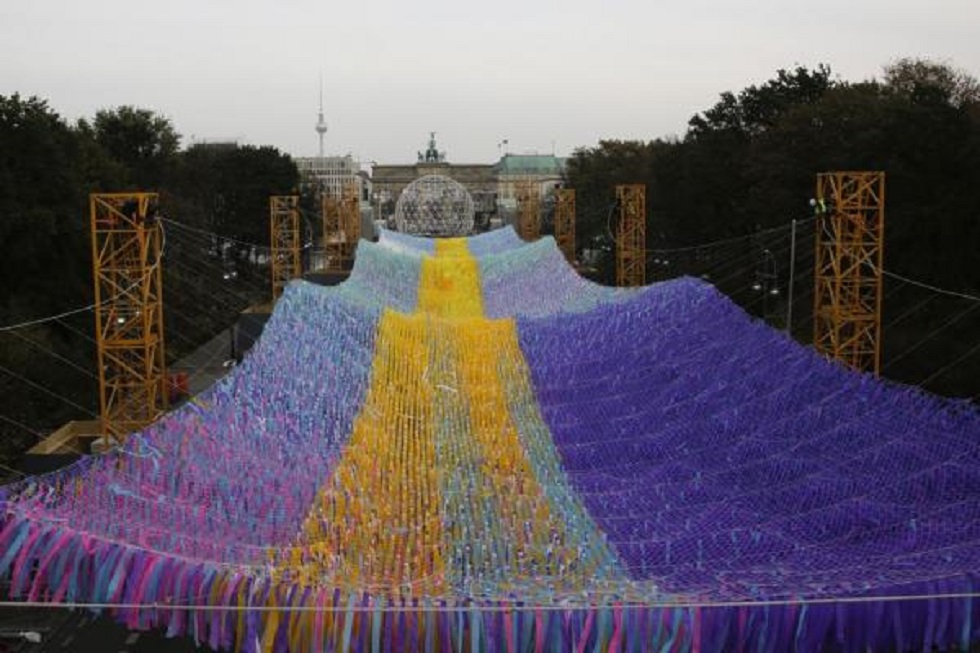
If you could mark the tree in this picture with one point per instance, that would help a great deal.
(142, 142)
(227, 189)
(42, 205)
(594, 172)
(758, 108)
(223, 189)
(718, 151)
(925, 80)
(750, 161)
(44, 261)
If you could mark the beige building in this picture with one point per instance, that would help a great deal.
(545, 171)
(389, 180)
(330, 173)
(492, 185)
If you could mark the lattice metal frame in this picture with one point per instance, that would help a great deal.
(528, 210)
(285, 241)
(565, 222)
(128, 276)
(350, 222)
(631, 235)
(850, 225)
(333, 243)
(435, 205)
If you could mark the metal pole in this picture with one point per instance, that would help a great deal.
(789, 285)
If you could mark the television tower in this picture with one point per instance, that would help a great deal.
(321, 124)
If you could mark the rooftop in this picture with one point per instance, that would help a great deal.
(513, 164)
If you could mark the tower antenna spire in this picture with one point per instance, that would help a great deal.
(321, 124)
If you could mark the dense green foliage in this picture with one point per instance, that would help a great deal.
(747, 165)
(47, 170)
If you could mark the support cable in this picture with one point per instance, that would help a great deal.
(54, 354)
(49, 318)
(10, 420)
(951, 293)
(732, 240)
(495, 607)
(204, 232)
(932, 334)
(945, 368)
(66, 400)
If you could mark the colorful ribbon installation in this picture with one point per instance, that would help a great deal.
(468, 447)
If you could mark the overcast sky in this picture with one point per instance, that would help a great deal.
(559, 74)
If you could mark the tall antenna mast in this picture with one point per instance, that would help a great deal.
(321, 124)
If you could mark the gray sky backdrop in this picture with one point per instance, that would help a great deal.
(541, 74)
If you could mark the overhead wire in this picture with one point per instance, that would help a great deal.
(224, 295)
(187, 227)
(222, 298)
(218, 269)
(40, 387)
(734, 239)
(500, 605)
(752, 254)
(203, 265)
(894, 321)
(93, 305)
(23, 426)
(49, 318)
(59, 318)
(944, 291)
(53, 353)
(807, 254)
(728, 264)
(228, 292)
(79, 332)
(918, 305)
(715, 267)
(932, 334)
(945, 368)
(11, 470)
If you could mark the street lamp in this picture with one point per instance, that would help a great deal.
(766, 282)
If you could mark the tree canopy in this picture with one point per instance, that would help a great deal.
(748, 164)
(48, 167)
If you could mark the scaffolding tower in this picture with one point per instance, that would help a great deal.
(528, 210)
(631, 235)
(850, 224)
(127, 271)
(350, 222)
(565, 222)
(333, 246)
(285, 241)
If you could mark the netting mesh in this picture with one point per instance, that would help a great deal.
(619, 470)
(435, 205)
(724, 460)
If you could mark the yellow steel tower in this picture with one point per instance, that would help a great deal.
(285, 241)
(850, 224)
(350, 221)
(332, 244)
(631, 262)
(127, 269)
(565, 222)
(528, 214)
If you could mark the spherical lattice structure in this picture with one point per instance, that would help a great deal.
(435, 206)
